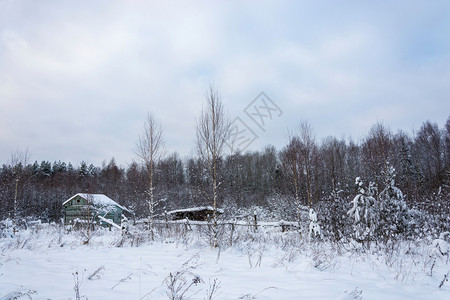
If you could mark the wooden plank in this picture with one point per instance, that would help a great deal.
(109, 222)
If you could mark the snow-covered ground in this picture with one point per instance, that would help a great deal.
(45, 264)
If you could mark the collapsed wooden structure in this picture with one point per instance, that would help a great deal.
(202, 213)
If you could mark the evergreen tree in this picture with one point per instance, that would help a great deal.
(393, 210)
(364, 212)
(46, 168)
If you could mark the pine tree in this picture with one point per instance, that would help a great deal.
(364, 212)
(393, 210)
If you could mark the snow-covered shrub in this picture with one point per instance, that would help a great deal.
(333, 218)
(6, 228)
(314, 227)
(428, 217)
(440, 246)
(282, 207)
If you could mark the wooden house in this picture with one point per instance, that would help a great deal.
(93, 208)
(202, 213)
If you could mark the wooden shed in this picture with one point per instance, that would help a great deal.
(202, 213)
(89, 207)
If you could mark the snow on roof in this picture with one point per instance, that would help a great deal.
(98, 199)
(200, 208)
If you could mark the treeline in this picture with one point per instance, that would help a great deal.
(317, 173)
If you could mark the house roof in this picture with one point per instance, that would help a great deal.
(99, 199)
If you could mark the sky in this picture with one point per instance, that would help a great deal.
(77, 78)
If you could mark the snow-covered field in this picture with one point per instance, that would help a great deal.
(46, 263)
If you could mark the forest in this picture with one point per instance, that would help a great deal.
(320, 175)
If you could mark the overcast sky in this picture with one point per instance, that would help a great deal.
(77, 78)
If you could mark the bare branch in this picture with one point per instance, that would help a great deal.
(19, 159)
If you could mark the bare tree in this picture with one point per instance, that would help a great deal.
(292, 163)
(308, 151)
(213, 131)
(333, 155)
(19, 160)
(297, 159)
(430, 149)
(377, 151)
(150, 149)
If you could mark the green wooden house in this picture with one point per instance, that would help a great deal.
(92, 208)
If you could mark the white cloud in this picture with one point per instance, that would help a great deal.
(74, 73)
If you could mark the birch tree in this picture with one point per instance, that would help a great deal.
(19, 160)
(308, 149)
(213, 131)
(150, 149)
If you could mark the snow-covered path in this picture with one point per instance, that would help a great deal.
(140, 272)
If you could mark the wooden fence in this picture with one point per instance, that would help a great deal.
(252, 224)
